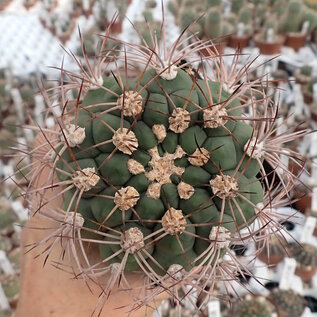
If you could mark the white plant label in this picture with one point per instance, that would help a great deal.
(213, 308)
(270, 35)
(287, 273)
(305, 27)
(308, 230)
(240, 29)
(5, 264)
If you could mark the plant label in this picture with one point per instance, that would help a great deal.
(287, 273)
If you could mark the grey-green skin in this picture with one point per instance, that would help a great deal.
(304, 254)
(293, 19)
(288, 302)
(253, 308)
(226, 152)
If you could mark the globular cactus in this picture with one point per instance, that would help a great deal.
(305, 255)
(288, 303)
(253, 307)
(160, 171)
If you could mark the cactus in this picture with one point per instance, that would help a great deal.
(236, 5)
(288, 303)
(161, 168)
(304, 254)
(311, 17)
(254, 307)
(293, 19)
(215, 26)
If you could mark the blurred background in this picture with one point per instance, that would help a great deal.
(279, 36)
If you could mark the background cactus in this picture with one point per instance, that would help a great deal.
(254, 307)
(293, 19)
(288, 303)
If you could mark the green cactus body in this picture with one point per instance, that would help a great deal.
(213, 23)
(159, 159)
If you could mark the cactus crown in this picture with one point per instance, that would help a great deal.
(160, 168)
(289, 302)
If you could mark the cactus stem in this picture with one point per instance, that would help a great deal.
(200, 157)
(126, 198)
(131, 103)
(214, 116)
(224, 186)
(173, 221)
(179, 120)
(85, 179)
(125, 140)
(185, 190)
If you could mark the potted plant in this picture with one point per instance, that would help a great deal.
(306, 259)
(292, 25)
(287, 302)
(268, 41)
